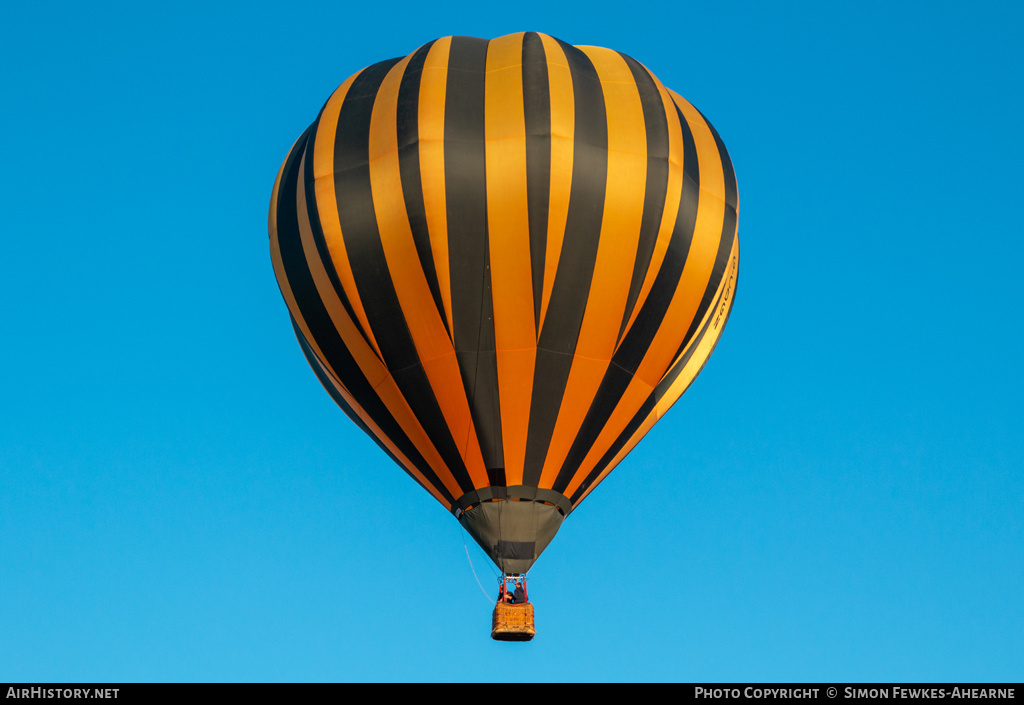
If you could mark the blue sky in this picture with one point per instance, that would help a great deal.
(837, 498)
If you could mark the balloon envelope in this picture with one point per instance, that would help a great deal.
(505, 260)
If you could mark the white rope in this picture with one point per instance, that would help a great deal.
(466, 546)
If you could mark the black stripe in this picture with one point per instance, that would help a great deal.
(729, 173)
(468, 250)
(656, 189)
(336, 354)
(328, 385)
(673, 373)
(409, 168)
(369, 266)
(318, 232)
(648, 321)
(575, 272)
(537, 109)
(645, 410)
(726, 237)
(718, 270)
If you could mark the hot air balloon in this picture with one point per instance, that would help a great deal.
(505, 260)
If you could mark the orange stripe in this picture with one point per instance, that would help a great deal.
(634, 397)
(693, 367)
(402, 459)
(673, 193)
(700, 261)
(433, 346)
(508, 226)
(563, 126)
(589, 463)
(289, 297)
(369, 364)
(693, 282)
(616, 252)
(275, 245)
(433, 89)
(707, 148)
(327, 204)
(718, 315)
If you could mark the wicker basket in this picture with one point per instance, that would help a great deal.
(513, 622)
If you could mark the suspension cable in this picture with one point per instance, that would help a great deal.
(466, 546)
